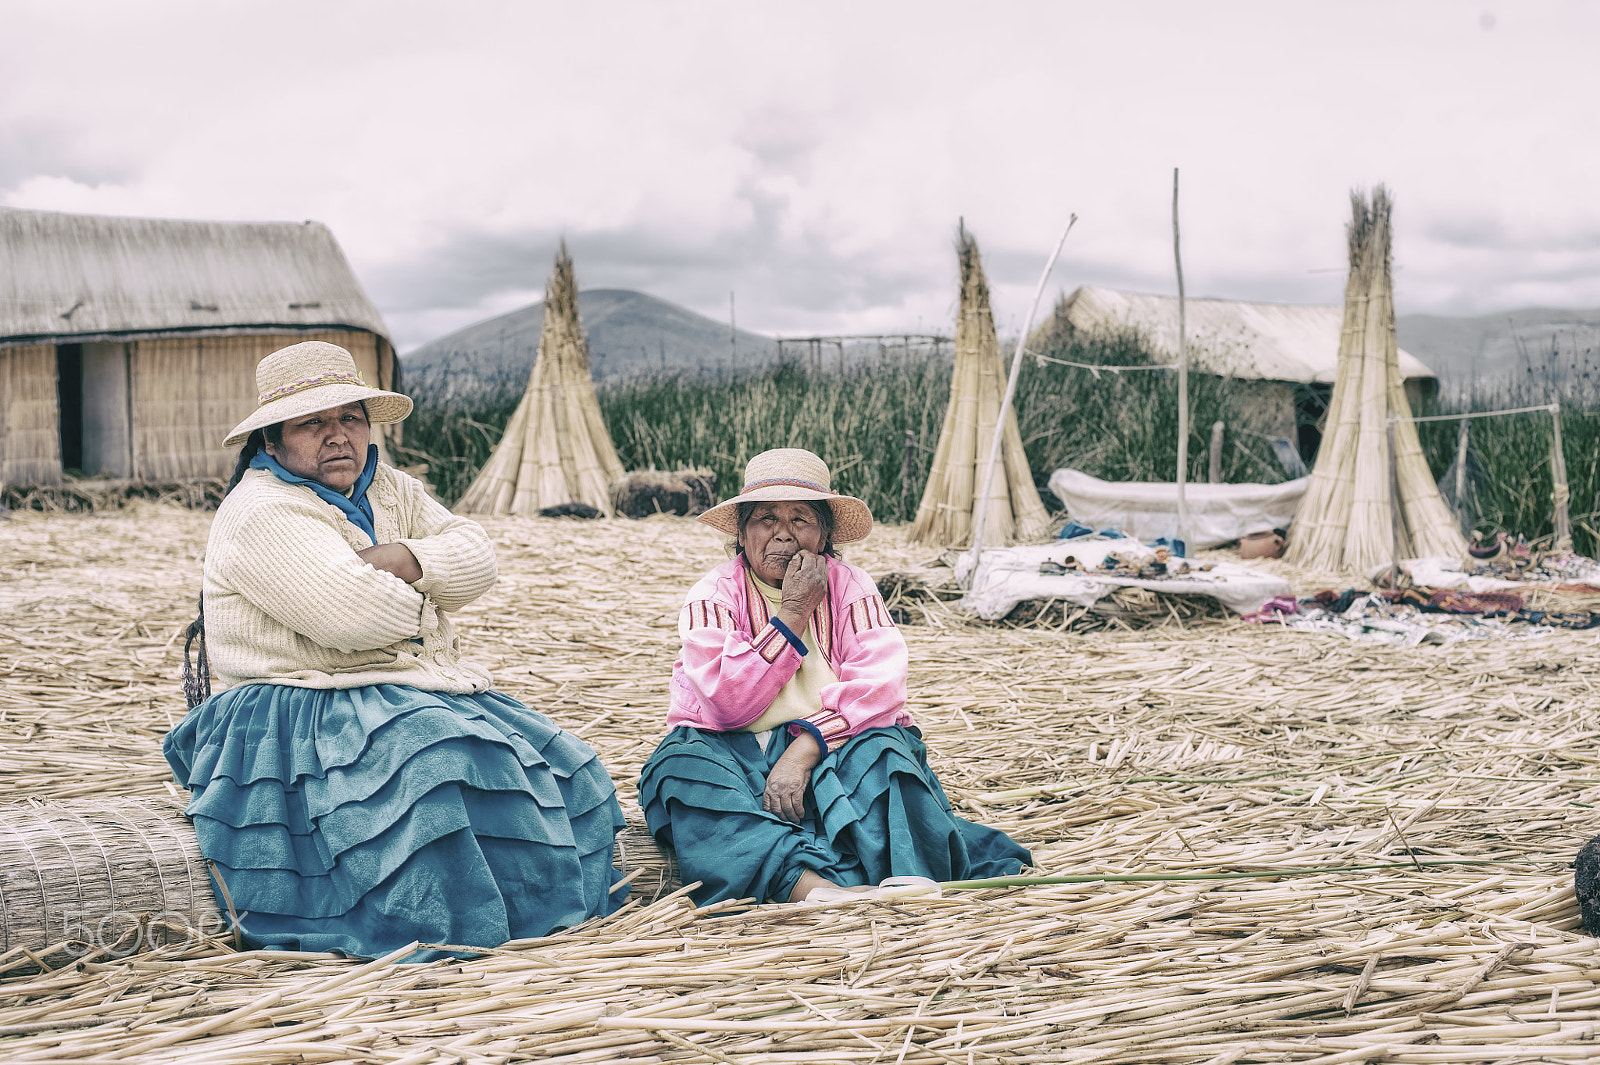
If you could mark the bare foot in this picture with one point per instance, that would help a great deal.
(807, 882)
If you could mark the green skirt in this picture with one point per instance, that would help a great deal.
(361, 819)
(874, 810)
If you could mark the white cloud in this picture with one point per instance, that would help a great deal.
(815, 158)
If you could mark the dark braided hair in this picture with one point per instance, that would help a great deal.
(197, 681)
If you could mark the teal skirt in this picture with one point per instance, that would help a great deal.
(361, 820)
(874, 810)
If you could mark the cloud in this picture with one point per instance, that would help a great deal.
(814, 160)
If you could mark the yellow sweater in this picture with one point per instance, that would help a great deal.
(288, 601)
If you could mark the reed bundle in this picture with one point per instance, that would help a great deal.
(1211, 747)
(556, 449)
(1366, 504)
(949, 506)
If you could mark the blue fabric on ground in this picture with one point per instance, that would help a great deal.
(1074, 529)
(359, 820)
(874, 810)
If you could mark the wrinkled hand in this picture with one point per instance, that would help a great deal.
(393, 558)
(805, 585)
(789, 778)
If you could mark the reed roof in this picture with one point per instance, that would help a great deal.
(89, 277)
(1261, 341)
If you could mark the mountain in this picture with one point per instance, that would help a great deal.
(629, 333)
(1500, 349)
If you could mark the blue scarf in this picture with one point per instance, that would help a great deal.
(355, 507)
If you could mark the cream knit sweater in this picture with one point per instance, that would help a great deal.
(288, 601)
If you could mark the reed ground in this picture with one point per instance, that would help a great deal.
(1170, 750)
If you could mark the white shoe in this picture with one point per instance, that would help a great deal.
(893, 888)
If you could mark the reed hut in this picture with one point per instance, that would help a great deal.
(949, 504)
(1283, 357)
(128, 346)
(556, 448)
(1372, 497)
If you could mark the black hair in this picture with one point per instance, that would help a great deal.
(197, 676)
(819, 507)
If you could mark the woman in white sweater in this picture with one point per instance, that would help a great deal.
(358, 786)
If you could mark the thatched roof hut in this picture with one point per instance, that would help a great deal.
(128, 346)
(1287, 354)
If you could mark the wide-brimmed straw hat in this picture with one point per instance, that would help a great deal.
(791, 474)
(304, 378)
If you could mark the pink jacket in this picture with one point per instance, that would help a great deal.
(735, 661)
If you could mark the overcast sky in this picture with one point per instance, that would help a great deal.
(814, 157)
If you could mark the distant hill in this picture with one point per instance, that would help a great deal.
(629, 333)
(1501, 348)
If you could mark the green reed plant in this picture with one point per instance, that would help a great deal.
(1119, 426)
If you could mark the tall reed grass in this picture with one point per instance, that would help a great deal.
(1119, 426)
(1509, 475)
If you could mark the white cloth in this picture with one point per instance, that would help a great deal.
(1008, 575)
(1218, 513)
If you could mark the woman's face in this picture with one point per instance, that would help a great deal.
(774, 534)
(329, 447)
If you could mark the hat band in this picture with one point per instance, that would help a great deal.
(334, 378)
(788, 482)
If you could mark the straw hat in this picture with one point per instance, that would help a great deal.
(791, 474)
(304, 378)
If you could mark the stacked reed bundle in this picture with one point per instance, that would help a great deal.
(556, 449)
(1351, 518)
(949, 506)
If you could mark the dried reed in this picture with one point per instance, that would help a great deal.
(949, 504)
(556, 448)
(1208, 747)
(1349, 519)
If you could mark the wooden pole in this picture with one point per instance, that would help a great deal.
(1214, 471)
(905, 476)
(1560, 494)
(1395, 517)
(1005, 404)
(1183, 379)
(1461, 477)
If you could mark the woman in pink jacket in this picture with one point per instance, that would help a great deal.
(791, 763)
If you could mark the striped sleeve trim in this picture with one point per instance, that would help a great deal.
(870, 613)
(833, 729)
(769, 643)
(705, 614)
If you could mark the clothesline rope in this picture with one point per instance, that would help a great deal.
(1095, 368)
(1479, 414)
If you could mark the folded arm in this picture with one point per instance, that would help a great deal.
(454, 556)
(292, 564)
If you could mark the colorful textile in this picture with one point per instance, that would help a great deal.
(361, 819)
(735, 661)
(874, 809)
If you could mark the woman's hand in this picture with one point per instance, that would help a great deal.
(805, 585)
(393, 558)
(789, 778)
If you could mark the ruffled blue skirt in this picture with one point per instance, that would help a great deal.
(874, 810)
(359, 820)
